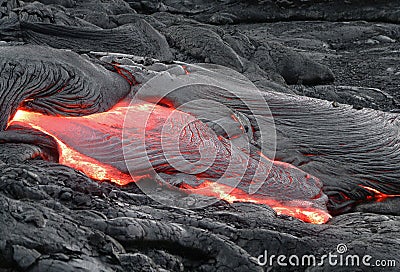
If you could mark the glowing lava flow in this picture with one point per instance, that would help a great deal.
(306, 214)
(72, 158)
(378, 196)
(77, 137)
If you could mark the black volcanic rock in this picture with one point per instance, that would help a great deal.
(137, 38)
(345, 53)
(203, 44)
(36, 75)
(120, 232)
(288, 10)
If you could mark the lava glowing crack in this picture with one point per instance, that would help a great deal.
(93, 145)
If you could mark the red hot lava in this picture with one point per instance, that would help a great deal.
(377, 195)
(93, 144)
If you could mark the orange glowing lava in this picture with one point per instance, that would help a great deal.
(378, 196)
(112, 121)
(229, 194)
(72, 158)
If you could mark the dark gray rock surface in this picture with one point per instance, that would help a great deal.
(55, 218)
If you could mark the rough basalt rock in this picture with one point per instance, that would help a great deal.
(55, 218)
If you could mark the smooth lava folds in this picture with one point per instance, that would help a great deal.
(208, 164)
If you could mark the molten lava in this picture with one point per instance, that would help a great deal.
(377, 195)
(306, 214)
(70, 157)
(93, 145)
